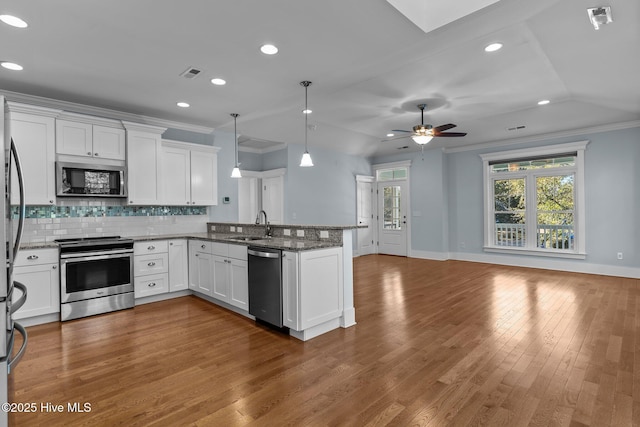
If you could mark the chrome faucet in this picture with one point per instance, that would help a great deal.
(267, 229)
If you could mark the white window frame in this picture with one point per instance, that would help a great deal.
(579, 251)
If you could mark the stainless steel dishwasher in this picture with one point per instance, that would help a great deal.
(265, 284)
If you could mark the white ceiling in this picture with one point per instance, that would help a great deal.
(369, 64)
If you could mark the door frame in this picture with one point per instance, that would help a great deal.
(385, 166)
(374, 224)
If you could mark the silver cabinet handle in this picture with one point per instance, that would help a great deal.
(88, 153)
(32, 257)
(151, 247)
(151, 264)
(151, 285)
(203, 246)
(96, 154)
(54, 267)
(51, 201)
(170, 243)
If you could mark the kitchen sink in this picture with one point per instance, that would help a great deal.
(246, 238)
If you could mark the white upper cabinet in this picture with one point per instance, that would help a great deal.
(189, 174)
(33, 131)
(144, 167)
(76, 138)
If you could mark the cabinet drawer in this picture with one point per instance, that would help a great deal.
(150, 247)
(150, 264)
(238, 252)
(200, 246)
(220, 249)
(36, 256)
(151, 285)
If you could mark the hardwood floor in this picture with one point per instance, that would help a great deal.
(437, 343)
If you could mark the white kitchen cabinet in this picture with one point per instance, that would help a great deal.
(200, 267)
(89, 140)
(37, 269)
(189, 174)
(178, 265)
(312, 287)
(231, 274)
(144, 168)
(150, 268)
(33, 131)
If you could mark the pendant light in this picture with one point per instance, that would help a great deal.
(306, 161)
(235, 173)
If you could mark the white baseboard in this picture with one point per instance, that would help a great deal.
(162, 297)
(436, 256)
(548, 264)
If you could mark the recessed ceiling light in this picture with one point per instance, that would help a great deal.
(14, 21)
(269, 49)
(307, 111)
(544, 102)
(183, 104)
(390, 134)
(493, 47)
(218, 82)
(11, 66)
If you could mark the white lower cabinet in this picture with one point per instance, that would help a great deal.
(178, 265)
(220, 270)
(150, 268)
(38, 270)
(312, 285)
(200, 267)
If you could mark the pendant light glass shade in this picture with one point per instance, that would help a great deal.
(235, 173)
(306, 161)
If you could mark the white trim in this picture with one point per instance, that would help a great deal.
(548, 264)
(16, 107)
(280, 146)
(73, 107)
(140, 127)
(189, 146)
(391, 165)
(544, 137)
(436, 256)
(271, 173)
(365, 178)
(536, 151)
(543, 253)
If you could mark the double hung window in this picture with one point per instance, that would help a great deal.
(534, 201)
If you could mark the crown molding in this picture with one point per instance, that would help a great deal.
(545, 136)
(68, 108)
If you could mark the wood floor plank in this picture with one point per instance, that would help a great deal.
(442, 343)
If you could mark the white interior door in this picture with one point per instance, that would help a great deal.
(273, 198)
(393, 199)
(364, 211)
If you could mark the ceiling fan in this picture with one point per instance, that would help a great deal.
(422, 133)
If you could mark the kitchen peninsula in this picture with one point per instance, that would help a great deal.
(317, 274)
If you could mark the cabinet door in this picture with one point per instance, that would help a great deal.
(204, 178)
(178, 271)
(239, 281)
(143, 155)
(220, 278)
(290, 291)
(43, 290)
(193, 264)
(203, 269)
(74, 138)
(150, 264)
(176, 176)
(34, 137)
(108, 143)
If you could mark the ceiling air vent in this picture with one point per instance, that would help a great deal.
(190, 73)
(516, 128)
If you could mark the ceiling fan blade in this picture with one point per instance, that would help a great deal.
(400, 130)
(450, 134)
(444, 127)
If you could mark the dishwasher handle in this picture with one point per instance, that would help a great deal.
(263, 254)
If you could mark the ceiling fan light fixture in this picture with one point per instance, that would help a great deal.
(422, 139)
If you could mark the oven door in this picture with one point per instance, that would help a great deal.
(86, 277)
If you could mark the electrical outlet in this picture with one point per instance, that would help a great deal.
(287, 232)
(232, 229)
(324, 234)
(239, 229)
(619, 255)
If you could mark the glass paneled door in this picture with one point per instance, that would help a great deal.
(392, 217)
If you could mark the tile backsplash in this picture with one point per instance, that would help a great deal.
(48, 223)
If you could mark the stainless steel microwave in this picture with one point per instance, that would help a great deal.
(85, 180)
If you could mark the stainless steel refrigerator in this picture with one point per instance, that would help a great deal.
(12, 294)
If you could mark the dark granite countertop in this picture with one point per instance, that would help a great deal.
(289, 244)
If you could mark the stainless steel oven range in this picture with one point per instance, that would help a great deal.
(96, 276)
